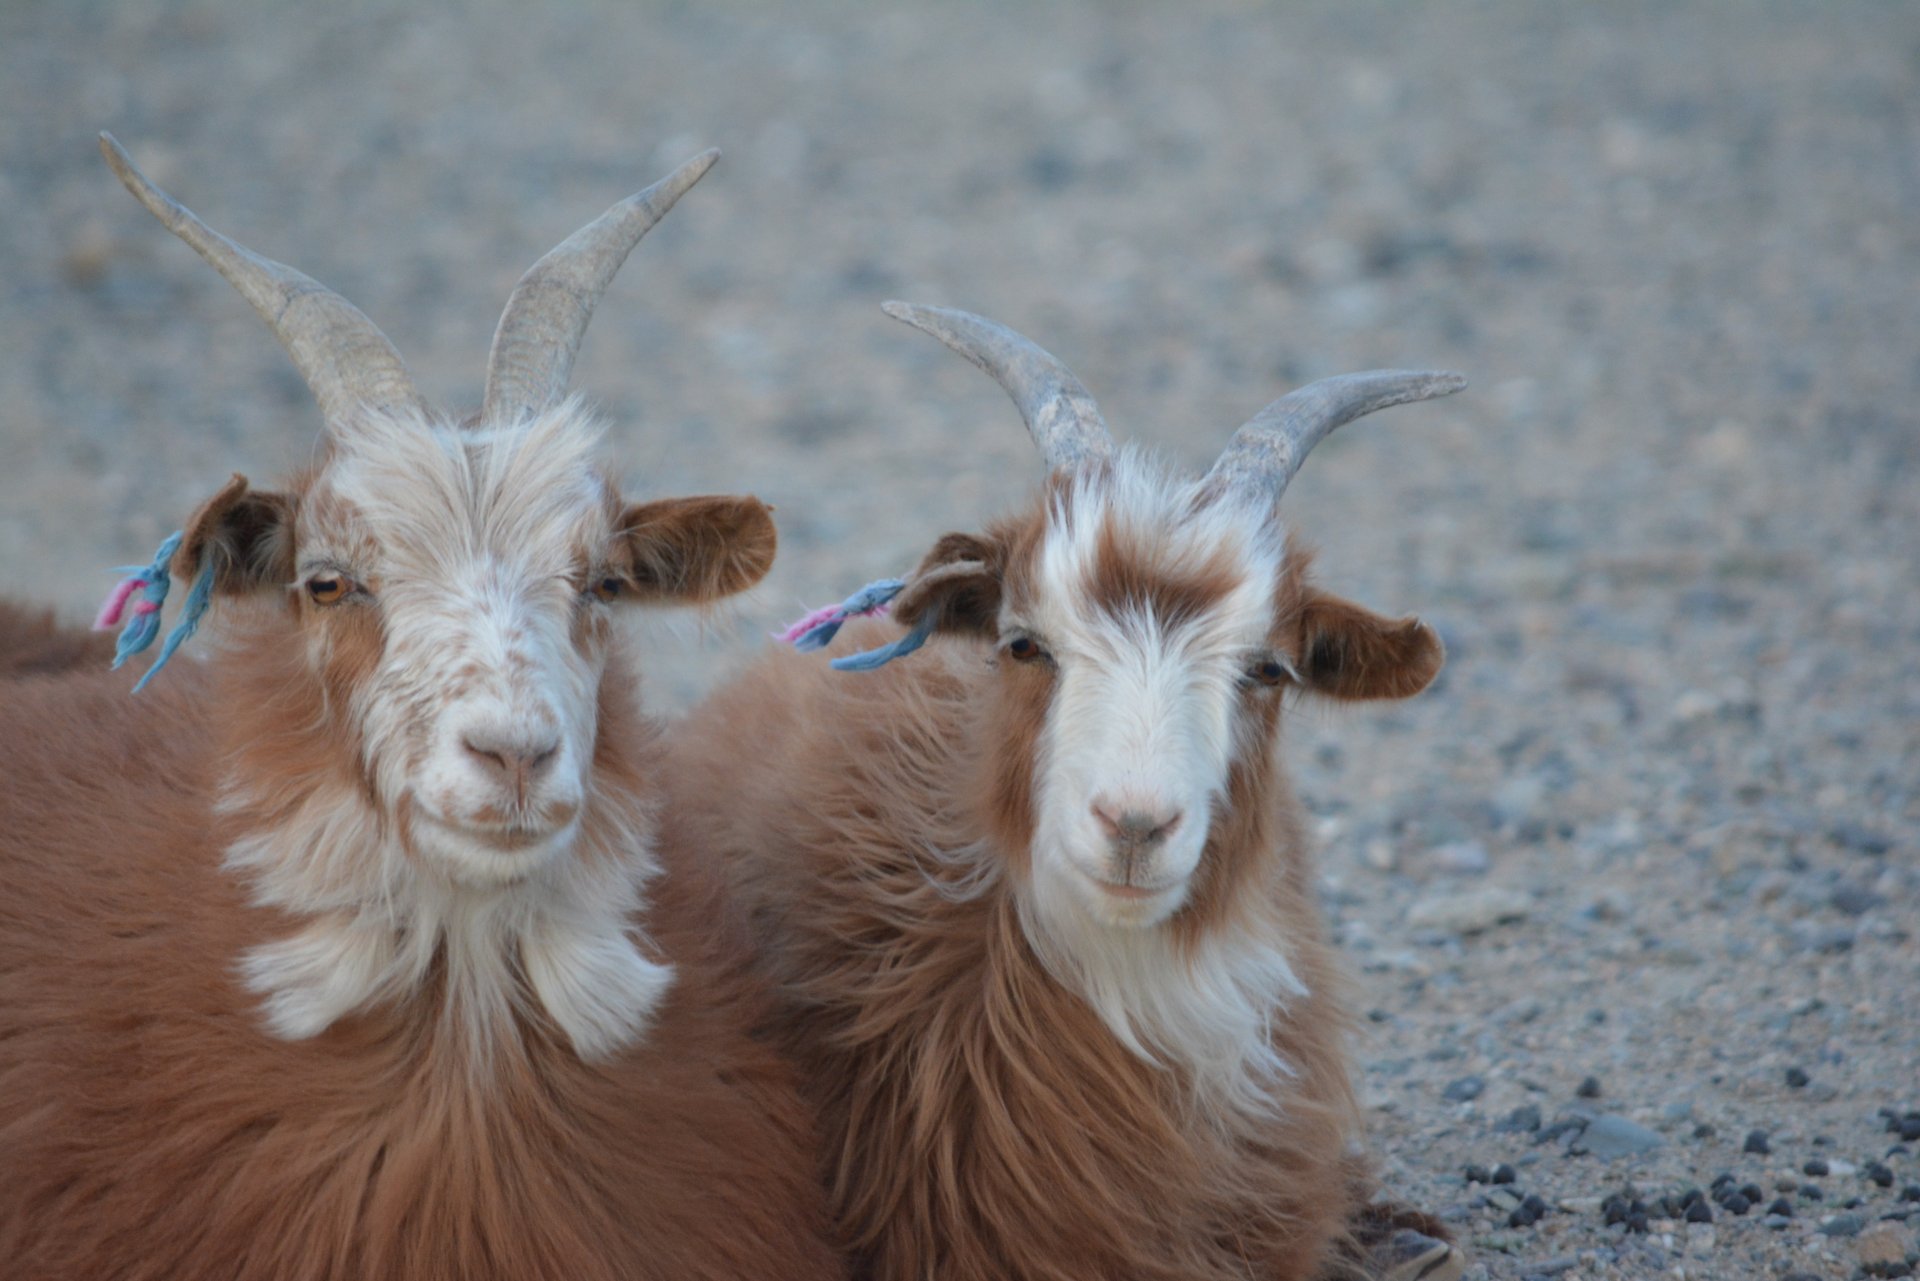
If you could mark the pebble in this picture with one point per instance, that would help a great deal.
(1843, 1225)
(1910, 1127)
(1589, 1088)
(1757, 1142)
(1816, 1167)
(1699, 1212)
(1610, 1136)
(1528, 1212)
(1797, 1078)
(1522, 1120)
(1461, 858)
(1781, 1208)
(1471, 912)
(1503, 1173)
(1881, 1245)
(1464, 1090)
(1911, 1192)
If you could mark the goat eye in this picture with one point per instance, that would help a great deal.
(606, 589)
(1025, 649)
(329, 589)
(1268, 671)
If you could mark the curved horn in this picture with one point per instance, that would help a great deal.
(540, 330)
(1268, 450)
(1064, 421)
(344, 357)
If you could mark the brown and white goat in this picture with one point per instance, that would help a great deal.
(1036, 900)
(342, 954)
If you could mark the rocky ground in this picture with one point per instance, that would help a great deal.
(1635, 883)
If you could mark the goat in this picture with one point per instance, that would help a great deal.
(344, 954)
(1037, 903)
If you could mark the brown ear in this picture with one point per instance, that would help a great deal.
(689, 551)
(247, 533)
(958, 582)
(1348, 651)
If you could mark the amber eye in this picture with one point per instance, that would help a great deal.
(607, 588)
(1025, 649)
(329, 589)
(1268, 671)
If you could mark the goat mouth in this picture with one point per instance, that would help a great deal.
(507, 838)
(1129, 893)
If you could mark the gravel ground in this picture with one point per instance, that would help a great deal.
(1657, 824)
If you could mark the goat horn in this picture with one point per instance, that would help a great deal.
(346, 360)
(1268, 450)
(1062, 417)
(540, 330)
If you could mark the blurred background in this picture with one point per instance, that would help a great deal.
(1657, 824)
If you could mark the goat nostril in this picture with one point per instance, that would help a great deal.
(1137, 828)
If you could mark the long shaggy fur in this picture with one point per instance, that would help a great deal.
(152, 1127)
(980, 1118)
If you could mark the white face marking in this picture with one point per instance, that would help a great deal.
(485, 849)
(481, 713)
(1142, 730)
(1148, 715)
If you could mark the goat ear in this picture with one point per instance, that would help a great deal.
(689, 551)
(958, 582)
(1347, 651)
(246, 533)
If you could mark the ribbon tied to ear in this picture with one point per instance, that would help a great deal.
(142, 616)
(818, 629)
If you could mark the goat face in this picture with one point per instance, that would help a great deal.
(1144, 633)
(454, 590)
(1147, 625)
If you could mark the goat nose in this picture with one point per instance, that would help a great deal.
(1135, 826)
(515, 760)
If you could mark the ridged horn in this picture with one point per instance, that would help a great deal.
(533, 349)
(346, 360)
(1060, 415)
(1265, 453)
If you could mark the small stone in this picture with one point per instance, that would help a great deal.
(1461, 858)
(1909, 1128)
(1816, 1168)
(1677, 1111)
(1504, 1173)
(1610, 1136)
(1911, 1192)
(1524, 1119)
(1881, 1246)
(1589, 1088)
(1808, 1192)
(1638, 1224)
(1477, 1174)
(1854, 900)
(1699, 1212)
(1528, 1212)
(1780, 1207)
(1777, 1222)
(1736, 1204)
(1505, 1199)
(1757, 1142)
(1843, 1225)
(1471, 912)
(1797, 1078)
(1464, 1090)
(1705, 1131)
(1752, 1192)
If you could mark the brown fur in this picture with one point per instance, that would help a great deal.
(34, 643)
(979, 1120)
(151, 1128)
